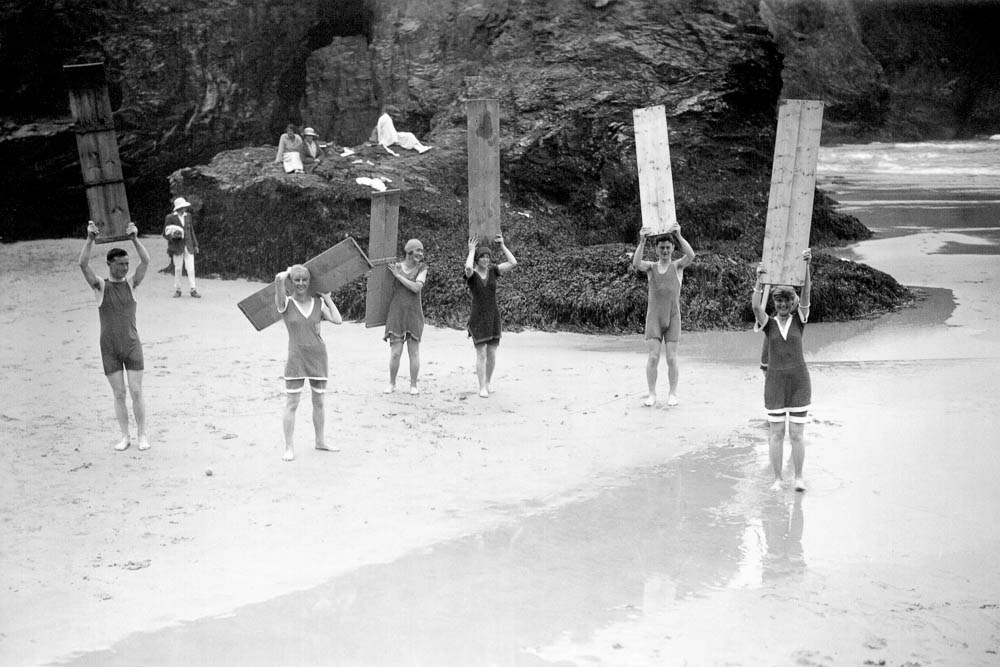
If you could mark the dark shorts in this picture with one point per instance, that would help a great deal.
(114, 360)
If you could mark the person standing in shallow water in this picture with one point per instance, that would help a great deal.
(405, 321)
(307, 358)
(787, 386)
(121, 349)
(484, 318)
(663, 306)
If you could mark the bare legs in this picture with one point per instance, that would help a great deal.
(118, 389)
(318, 416)
(395, 354)
(776, 437)
(486, 361)
(654, 346)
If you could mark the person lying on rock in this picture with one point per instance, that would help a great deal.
(385, 134)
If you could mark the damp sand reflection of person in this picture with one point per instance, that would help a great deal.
(787, 385)
(783, 523)
(307, 357)
(405, 321)
(484, 317)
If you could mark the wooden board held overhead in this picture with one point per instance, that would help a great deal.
(383, 237)
(793, 184)
(483, 122)
(328, 271)
(97, 146)
(656, 184)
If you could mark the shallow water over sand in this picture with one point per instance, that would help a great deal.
(695, 562)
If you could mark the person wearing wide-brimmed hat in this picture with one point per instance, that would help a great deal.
(787, 386)
(405, 321)
(312, 152)
(182, 244)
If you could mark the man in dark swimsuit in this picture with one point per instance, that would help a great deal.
(121, 349)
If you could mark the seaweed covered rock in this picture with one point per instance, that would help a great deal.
(255, 220)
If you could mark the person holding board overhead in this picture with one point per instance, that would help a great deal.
(663, 308)
(484, 318)
(787, 387)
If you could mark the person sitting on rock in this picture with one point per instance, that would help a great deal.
(385, 134)
(312, 151)
(289, 151)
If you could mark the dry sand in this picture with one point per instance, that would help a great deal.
(894, 543)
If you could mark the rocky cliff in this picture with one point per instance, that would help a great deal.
(894, 70)
(191, 78)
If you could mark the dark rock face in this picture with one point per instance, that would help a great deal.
(897, 70)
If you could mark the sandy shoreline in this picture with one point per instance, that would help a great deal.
(99, 545)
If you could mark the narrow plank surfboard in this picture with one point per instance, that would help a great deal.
(483, 122)
(793, 185)
(97, 146)
(383, 238)
(329, 271)
(656, 184)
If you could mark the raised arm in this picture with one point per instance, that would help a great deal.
(805, 299)
(280, 294)
(330, 312)
(686, 249)
(140, 271)
(758, 298)
(88, 248)
(637, 260)
(469, 261)
(413, 285)
(509, 265)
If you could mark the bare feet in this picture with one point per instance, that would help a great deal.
(143, 443)
(800, 485)
(484, 393)
(289, 455)
(489, 387)
(672, 399)
(123, 444)
(414, 390)
(389, 389)
(650, 401)
(777, 485)
(322, 446)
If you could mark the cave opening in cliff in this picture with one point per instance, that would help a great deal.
(335, 18)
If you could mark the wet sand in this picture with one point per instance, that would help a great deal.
(558, 522)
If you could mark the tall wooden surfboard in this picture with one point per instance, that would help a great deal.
(483, 122)
(656, 184)
(793, 185)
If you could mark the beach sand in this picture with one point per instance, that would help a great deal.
(109, 557)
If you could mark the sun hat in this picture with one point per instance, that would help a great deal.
(180, 202)
(309, 132)
(413, 244)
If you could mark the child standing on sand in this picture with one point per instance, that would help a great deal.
(787, 387)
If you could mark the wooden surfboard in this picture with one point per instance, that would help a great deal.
(483, 123)
(382, 242)
(97, 146)
(656, 184)
(329, 271)
(793, 185)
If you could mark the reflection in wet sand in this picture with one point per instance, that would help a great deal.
(499, 596)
